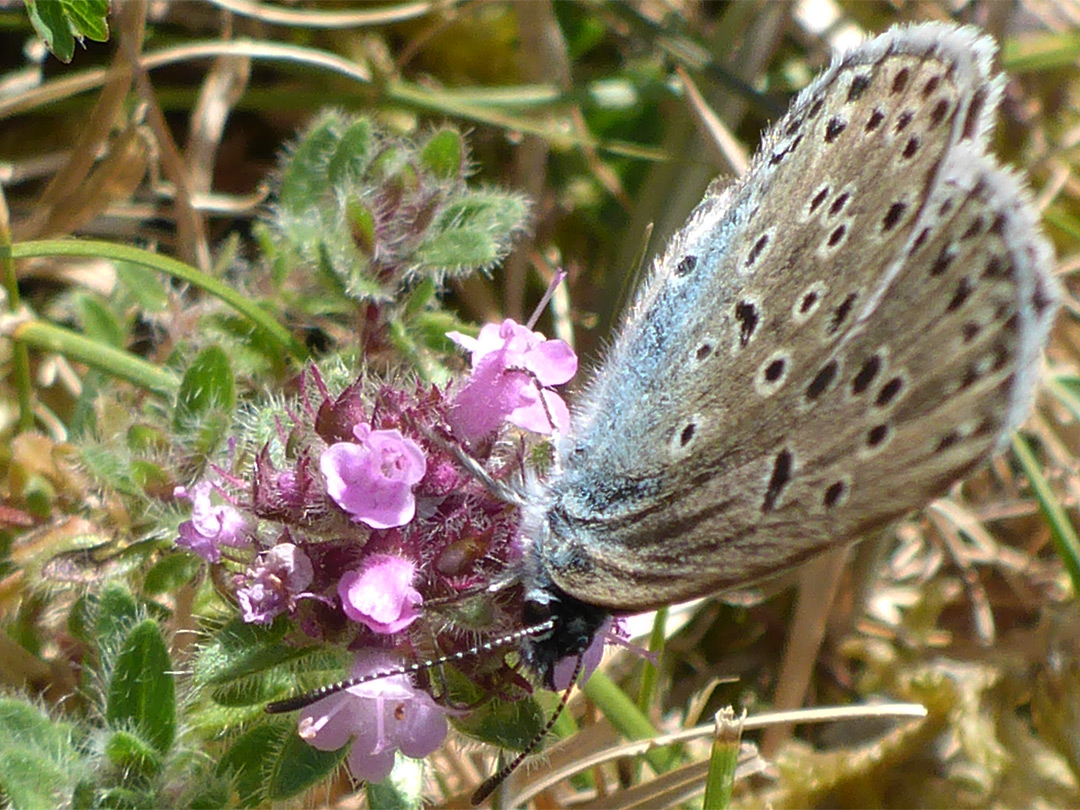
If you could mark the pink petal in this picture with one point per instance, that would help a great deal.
(533, 415)
(486, 399)
(355, 479)
(590, 660)
(490, 340)
(339, 463)
(193, 540)
(329, 723)
(381, 596)
(553, 362)
(469, 344)
(390, 443)
(369, 766)
(418, 729)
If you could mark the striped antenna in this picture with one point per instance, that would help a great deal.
(487, 787)
(305, 700)
(501, 490)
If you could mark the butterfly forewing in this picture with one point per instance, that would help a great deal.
(826, 345)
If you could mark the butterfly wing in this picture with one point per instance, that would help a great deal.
(826, 345)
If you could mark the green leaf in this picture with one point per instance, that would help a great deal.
(121, 364)
(124, 798)
(241, 649)
(649, 673)
(352, 155)
(116, 613)
(207, 792)
(419, 298)
(208, 385)
(40, 765)
(144, 285)
(88, 18)
(99, 323)
(252, 690)
(431, 328)
(1067, 389)
(444, 154)
(125, 365)
(622, 713)
(473, 231)
(508, 724)
(487, 210)
(132, 754)
(304, 185)
(723, 761)
(1063, 220)
(1066, 541)
(109, 468)
(300, 766)
(171, 573)
(271, 762)
(141, 695)
(60, 22)
(402, 789)
(147, 437)
(459, 249)
(1041, 51)
(52, 26)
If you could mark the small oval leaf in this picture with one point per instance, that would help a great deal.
(142, 693)
(444, 154)
(208, 385)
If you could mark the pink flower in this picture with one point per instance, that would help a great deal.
(373, 480)
(274, 583)
(210, 526)
(380, 716)
(513, 368)
(381, 595)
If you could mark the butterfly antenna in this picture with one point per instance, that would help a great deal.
(504, 492)
(488, 786)
(305, 700)
(557, 279)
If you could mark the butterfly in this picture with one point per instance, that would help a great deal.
(825, 345)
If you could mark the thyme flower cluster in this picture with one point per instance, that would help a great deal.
(361, 513)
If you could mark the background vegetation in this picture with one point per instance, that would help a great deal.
(120, 372)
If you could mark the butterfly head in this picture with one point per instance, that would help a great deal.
(573, 628)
